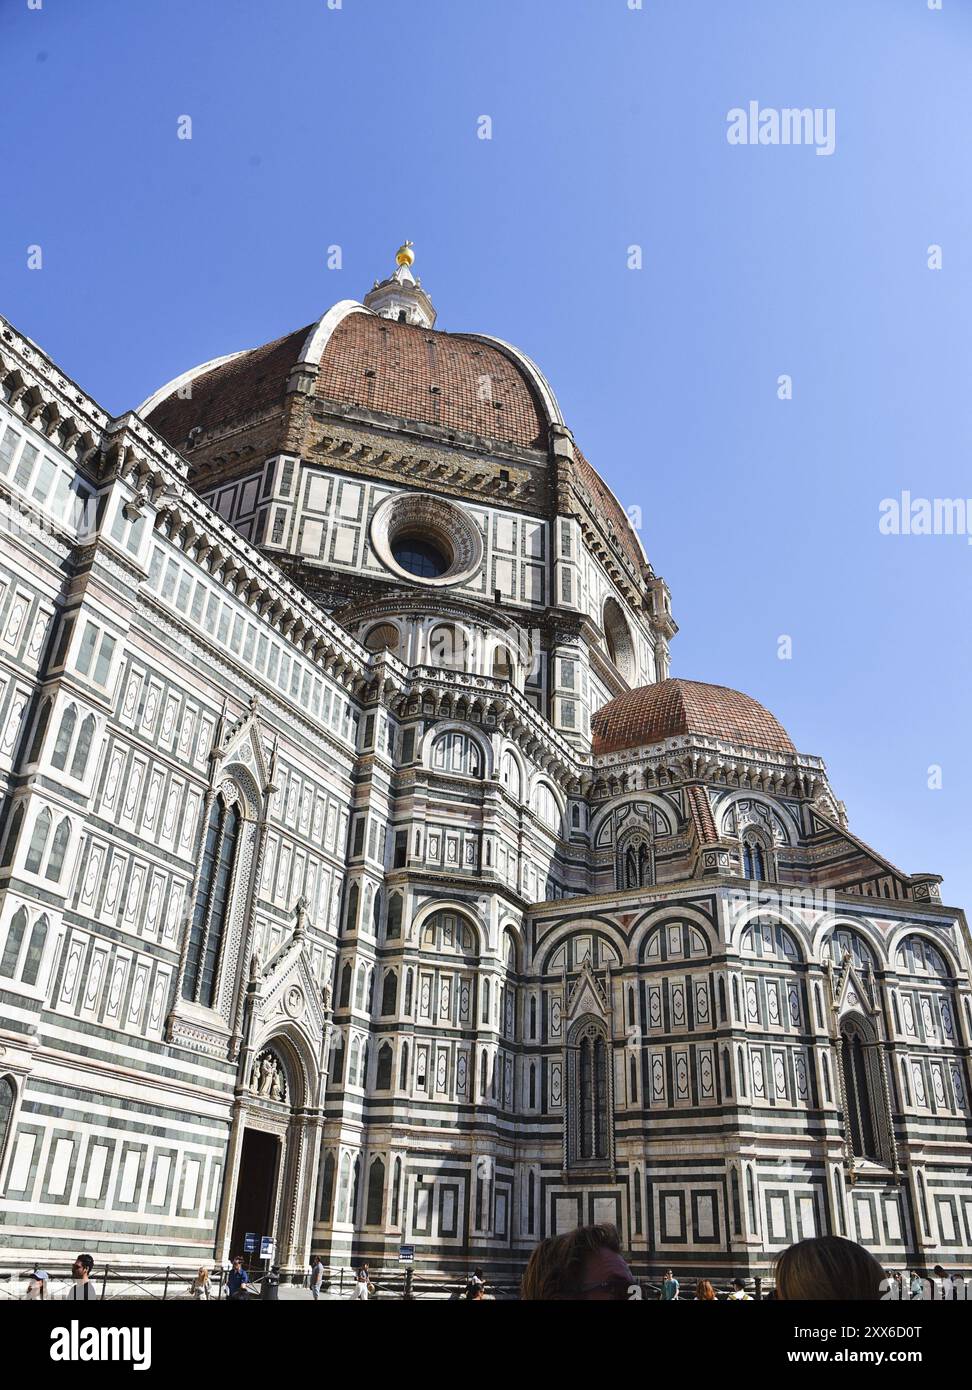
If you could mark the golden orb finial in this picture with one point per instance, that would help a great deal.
(405, 255)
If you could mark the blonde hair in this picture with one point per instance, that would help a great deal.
(828, 1268)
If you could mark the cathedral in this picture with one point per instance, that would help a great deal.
(366, 878)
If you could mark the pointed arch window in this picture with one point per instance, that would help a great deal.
(212, 901)
(389, 993)
(376, 1193)
(396, 1191)
(863, 1093)
(55, 864)
(7, 1098)
(754, 859)
(38, 842)
(327, 1188)
(14, 943)
(35, 951)
(344, 998)
(41, 729)
(384, 1072)
(64, 736)
(403, 1069)
(635, 868)
(590, 1106)
(13, 834)
(82, 749)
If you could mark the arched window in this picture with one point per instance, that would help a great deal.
(722, 999)
(635, 868)
(327, 1188)
(344, 1188)
(511, 778)
(359, 988)
(631, 1007)
(212, 901)
(82, 749)
(37, 742)
(376, 1193)
(64, 736)
(754, 862)
(617, 638)
(396, 1191)
(354, 1057)
(337, 1062)
(389, 993)
(7, 1097)
(351, 920)
(35, 951)
(55, 864)
(502, 663)
(860, 1068)
(408, 991)
(589, 1107)
(633, 1078)
(403, 1069)
(546, 807)
(382, 638)
(485, 1001)
(353, 1199)
(393, 925)
(344, 999)
(38, 842)
(457, 752)
(383, 1076)
(13, 833)
(14, 943)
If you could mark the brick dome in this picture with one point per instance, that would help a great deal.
(451, 381)
(654, 713)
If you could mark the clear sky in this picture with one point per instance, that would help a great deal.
(357, 126)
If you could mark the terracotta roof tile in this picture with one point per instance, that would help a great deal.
(654, 713)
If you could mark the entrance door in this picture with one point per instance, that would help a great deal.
(255, 1190)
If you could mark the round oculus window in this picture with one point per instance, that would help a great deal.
(421, 558)
(426, 539)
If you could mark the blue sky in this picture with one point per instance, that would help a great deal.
(357, 127)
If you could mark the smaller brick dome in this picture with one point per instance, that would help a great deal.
(654, 713)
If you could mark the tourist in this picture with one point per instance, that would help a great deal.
(316, 1276)
(362, 1285)
(584, 1264)
(704, 1292)
(739, 1294)
(669, 1288)
(81, 1274)
(200, 1288)
(475, 1284)
(916, 1285)
(828, 1268)
(37, 1283)
(237, 1281)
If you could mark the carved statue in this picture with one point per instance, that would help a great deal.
(267, 1072)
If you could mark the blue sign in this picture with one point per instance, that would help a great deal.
(267, 1246)
(250, 1242)
(406, 1254)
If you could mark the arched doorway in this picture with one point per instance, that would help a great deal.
(271, 1171)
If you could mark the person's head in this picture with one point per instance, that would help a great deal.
(82, 1266)
(938, 1272)
(739, 1285)
(478, 1293)
(669, 1274)
(478, 1273)
(828, 1268)
(704, 1291)
(203, 1274)
(237, 1261)
(582, 1264)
